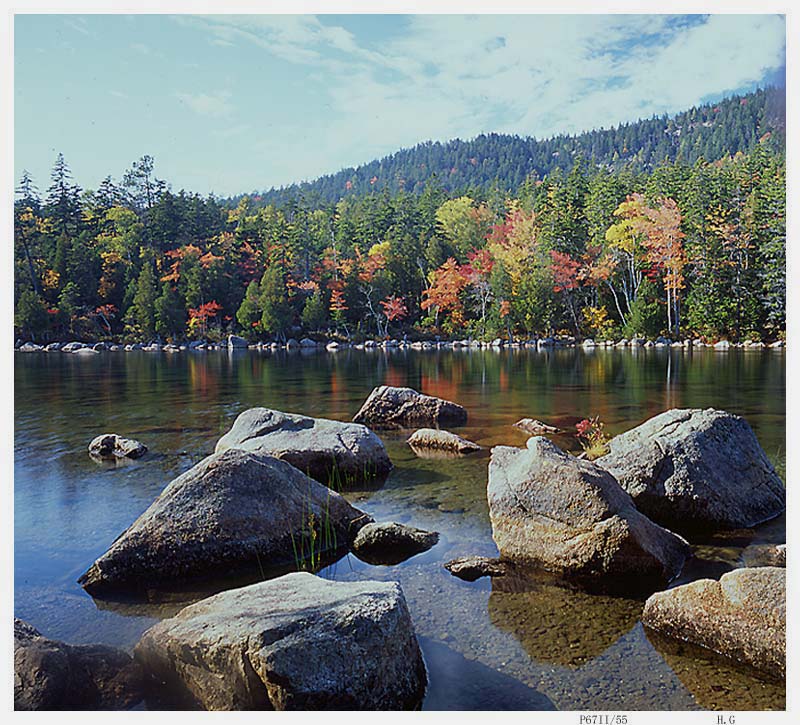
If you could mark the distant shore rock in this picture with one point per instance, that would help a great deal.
(110, 446)
(391, 543)
(53, 675)
(390, 407)
(432, 438)
(232, 510)
(237, 343)
(330, 451)
(566, 515)
(293, 643)
(692, 469)
(741, 616)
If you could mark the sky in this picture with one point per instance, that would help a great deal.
(237, 103)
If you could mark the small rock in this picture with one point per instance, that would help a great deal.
(470, 568)
(425, 438)
(535, 427)
(110, 446)
(391, 543)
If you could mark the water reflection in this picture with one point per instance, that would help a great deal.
(577, 650)
(558, 624)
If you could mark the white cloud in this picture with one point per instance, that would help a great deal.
(444, 76)
(207, 104)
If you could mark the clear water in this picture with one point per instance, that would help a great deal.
(496, 644)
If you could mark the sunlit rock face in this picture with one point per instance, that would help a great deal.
(696, 470)
(298, 642)
(231, 510)
(553, 510)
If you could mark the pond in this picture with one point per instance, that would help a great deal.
(490, 644)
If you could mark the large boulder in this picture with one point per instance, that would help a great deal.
(389, 407)
(391, 543)
(553, 510)
(52, 675)
(334, 453)
(293, 643)
(742, 616)
(233, 510)
(110, 446)
(695, 470)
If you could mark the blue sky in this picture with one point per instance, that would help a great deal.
(231, 104)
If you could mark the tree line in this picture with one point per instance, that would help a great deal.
(680, 249)
(710, 131)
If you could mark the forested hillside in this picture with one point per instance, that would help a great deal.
(711, 132)
(670, 227)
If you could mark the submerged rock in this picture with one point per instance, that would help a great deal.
(567, 515)
(389, 407)
(293, 643)
(535, 427)
(391, 543)
(232, 510)
(696, 469)
(111, 446)
(470, 568)
(52, 675)
(431, 438)
(742, 616)
(332, 452)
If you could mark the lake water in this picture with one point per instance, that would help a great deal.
(491, 644)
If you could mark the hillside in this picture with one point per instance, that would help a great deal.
(710, 131)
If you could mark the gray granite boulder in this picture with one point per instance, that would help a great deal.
(553, 510)
(110, 446)
(232, 510)
(330, 451)
(742, 616)
(696, 470)
(53, 675)
(293, 643)
(391, 543)
(389, 407)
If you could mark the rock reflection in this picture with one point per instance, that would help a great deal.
(717, 683)
(558, 623)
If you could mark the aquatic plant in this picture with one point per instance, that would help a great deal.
(592, 437)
